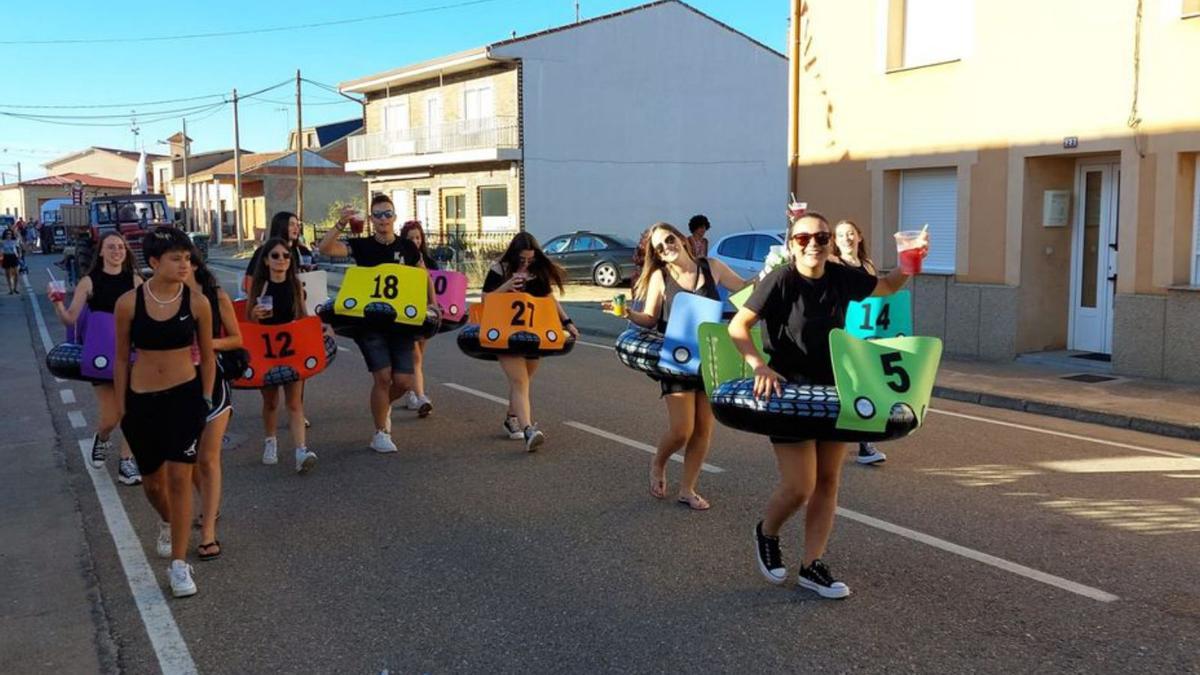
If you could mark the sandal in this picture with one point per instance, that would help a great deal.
(658, 485)
(695, 502)
(204, 551)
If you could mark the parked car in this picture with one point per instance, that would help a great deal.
(745, 252)
(603, 259)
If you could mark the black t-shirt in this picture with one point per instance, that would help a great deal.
(368, 252)
(283, 309)
(533, 285)
(301, 257)
(799, 313)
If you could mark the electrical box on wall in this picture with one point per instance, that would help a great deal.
(1056, 208)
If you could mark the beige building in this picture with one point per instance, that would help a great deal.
(108, 163)
(1052, 149)
(25, 199)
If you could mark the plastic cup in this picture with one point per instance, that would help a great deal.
(267, 302)
(618, 304)
(908, 249)
(797, 209)
(357, 222)
(57, 290)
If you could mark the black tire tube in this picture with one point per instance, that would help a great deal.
(379, 316)
(639, 348)
(63, 361)
(520, 344)
(286, 375)
(804, 411)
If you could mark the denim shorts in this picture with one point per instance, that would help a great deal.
(386, 350)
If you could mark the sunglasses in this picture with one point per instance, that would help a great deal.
(802, 238)
(383, 214)
(669, 240)
(279, 255)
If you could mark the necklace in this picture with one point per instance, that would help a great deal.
(163, 303)
(385, 242)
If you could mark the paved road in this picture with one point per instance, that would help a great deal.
(989, 542)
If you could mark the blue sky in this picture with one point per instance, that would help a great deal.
(119, 72)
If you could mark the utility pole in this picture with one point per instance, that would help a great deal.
(299, 156)
(19, 171)
(237, 173)
(794, 59)
(576, 11)
(187, 183)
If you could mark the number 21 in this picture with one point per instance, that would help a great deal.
(519, 316)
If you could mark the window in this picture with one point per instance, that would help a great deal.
(761, 247)
(926, 32)
(930, 197)
(478, 101)
(1196, 227)
(493, 208)
(395, 115)
(587, 243)
(558, 245)
(403, 206)
(738, 247)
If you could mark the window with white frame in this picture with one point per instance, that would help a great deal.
(1196, 227)
(478, 101)
(403, 205)
(493, 208)
(395, 115)
(927, 32)
(930, 197)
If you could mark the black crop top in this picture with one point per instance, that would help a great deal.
(106, 288)
(283, 299)
(176, 332)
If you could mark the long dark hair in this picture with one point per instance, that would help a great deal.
(279, 226)
(863, 258)
(424, 248)
(126, 264)
(543, 268)
(650, 260)
(262, 274)
(205, 279)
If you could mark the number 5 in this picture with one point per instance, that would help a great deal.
(890, 368)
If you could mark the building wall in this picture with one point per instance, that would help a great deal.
(320, 191)
(658, 114)
(26, 201)
(99, 163)
(503, 78)
(469, 177)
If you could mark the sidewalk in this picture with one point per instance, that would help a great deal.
(1150, 406)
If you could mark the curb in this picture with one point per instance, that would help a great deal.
(1142, 424)
(988, 400)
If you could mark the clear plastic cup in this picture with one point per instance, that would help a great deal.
(267, 302)
(908, 250)
(358, 221)
(797, 209)
(57, 290)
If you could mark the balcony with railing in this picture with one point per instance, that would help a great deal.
(476, 140)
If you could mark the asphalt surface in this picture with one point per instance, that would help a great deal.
(464, 553)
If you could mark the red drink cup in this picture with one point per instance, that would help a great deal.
(910, 246)
(357, 222)
(57, 291)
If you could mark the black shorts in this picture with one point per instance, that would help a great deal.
(677, 387)
(222, 398)
(10, 261)
(386, 350)
(163, 426)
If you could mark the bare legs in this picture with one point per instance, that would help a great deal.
(106, 400)
(418, 369)
(294, 399)
(689, 426)
(809, 473)
(207, 477)
(519, 371)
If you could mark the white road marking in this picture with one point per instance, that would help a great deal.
(37, 318)
(476, 392)
(67, 396)
(1063, 434)
(978, 556)
(637, 445)
(595, 345)
(77, 419)
(165, 638)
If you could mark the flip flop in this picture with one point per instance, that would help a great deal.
(695, 502)
(658, 486)
(200, 550)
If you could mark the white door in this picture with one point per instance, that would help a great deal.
(424, 202)
(1094, 257)
(433, 124)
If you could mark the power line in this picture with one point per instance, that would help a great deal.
(83, 123)
(252, 31)
(113, 105)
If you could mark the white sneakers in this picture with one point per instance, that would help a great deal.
(382, 442)
(180, 574)
(421, 404)
(305, 460)
(164, 540)
(270, 451)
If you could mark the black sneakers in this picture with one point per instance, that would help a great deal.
(816, 577)
(770, 559)
(99, 450)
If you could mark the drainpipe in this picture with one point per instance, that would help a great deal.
(794, 57)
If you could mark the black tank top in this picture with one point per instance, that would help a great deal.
(176, 332)
(672, 287)
(106, 288)
(283, 298)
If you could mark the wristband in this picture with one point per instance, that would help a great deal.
(567, 321)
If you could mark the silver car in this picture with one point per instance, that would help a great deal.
(744, 252)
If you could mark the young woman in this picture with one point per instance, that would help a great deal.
(225, 336)
(850, 249)
(698, 243)
(286, 226)
(111, 277)
(416, 399)
(801, 303)
(275, 278)
(10, 259)
(162, 399)
(671, 269)
(389, 356)
(524, 268)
